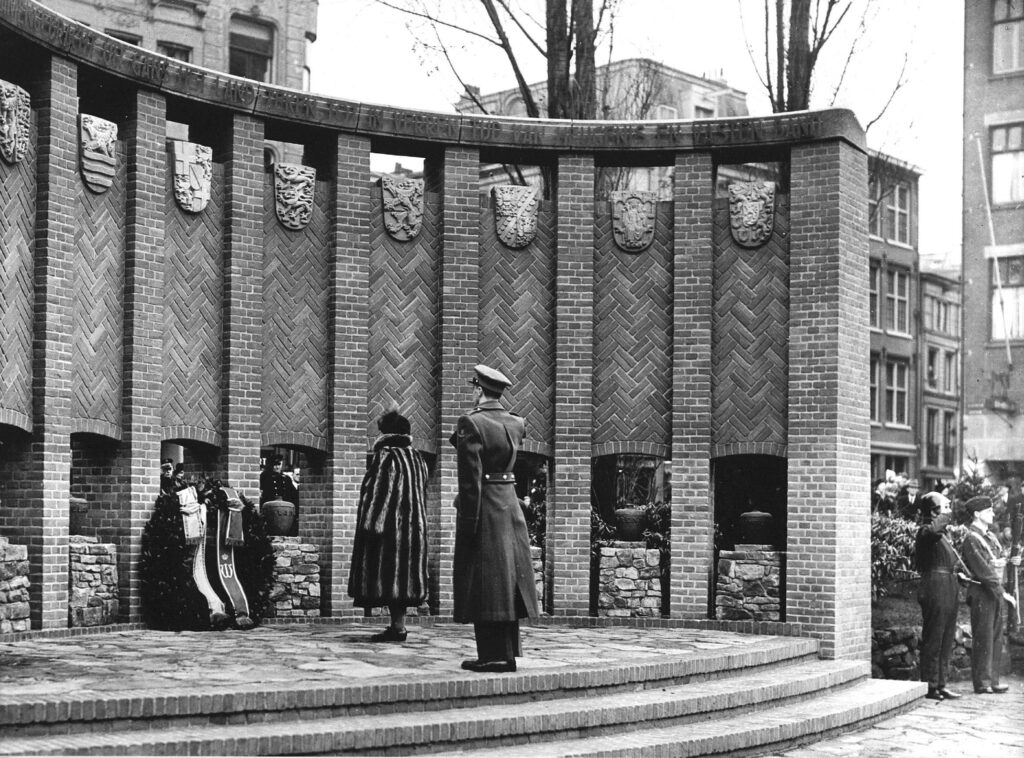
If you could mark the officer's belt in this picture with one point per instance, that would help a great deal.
(500, 477)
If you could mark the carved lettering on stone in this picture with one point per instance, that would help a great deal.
(293, 193)
(515, 214)
(403, 206)
(97, 151)
(15, 118)
(633, 214)
(193, 175)
(751, 212)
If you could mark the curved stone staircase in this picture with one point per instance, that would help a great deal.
(754, 697)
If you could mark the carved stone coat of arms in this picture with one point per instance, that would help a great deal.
(403, 206)
(751, 212)
(193, 175)
(15, 118)
(633, 214)
(515, 214)
(293, 194)
(97, 147)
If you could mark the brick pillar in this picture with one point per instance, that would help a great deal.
(692, 511)
(348, 315)
(45, 520)
(139, 453)
(460, 316)
(243, 305)
(828, 552)
(568, 521)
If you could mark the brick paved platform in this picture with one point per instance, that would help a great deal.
(324, 688)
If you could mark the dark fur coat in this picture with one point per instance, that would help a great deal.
(389, 558)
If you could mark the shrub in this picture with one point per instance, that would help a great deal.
(892, 548)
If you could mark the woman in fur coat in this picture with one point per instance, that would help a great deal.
(389, 559)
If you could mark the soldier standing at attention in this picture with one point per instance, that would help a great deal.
(983, 555)
(493, 574)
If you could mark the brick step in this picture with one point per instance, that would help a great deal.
(597, 717)
(202, 705)
(765, 731)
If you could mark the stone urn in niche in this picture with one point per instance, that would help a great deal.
(756, 528)
(279, 516)
(629, 521)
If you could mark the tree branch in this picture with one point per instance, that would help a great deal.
(437, 21)
(750, 50)
(899, 85)
(524, 88)
(515, 20)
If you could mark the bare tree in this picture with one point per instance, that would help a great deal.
(572, 30)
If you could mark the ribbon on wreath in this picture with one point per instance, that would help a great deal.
(230, 535)
(192, 522)
(193, 516)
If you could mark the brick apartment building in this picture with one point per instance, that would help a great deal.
(993, 234)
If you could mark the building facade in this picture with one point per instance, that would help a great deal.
(993, 235)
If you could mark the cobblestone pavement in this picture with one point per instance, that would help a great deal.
(982, 726)
(286, 655)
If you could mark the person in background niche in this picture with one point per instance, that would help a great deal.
(492, 571)
(938, 593)
(389, 558)
(983, 555)
(167, 476)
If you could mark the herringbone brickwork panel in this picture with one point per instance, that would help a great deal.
(98, 287)
(517, 318)
(193, 299)
(403, 349)
(750, 334)
(295, 340)
(17, 216)
(633, 335)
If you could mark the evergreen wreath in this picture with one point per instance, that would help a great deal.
(171, 600)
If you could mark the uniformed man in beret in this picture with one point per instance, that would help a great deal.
(983, 555)
(493, 573)
(938, 593)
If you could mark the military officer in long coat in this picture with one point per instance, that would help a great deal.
(493, 574)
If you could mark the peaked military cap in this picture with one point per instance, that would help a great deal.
(490, 379)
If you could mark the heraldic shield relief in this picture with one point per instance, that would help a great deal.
(15, 117)
(751, 212)
(193, 175)
(97, 145)
(633, 219)
(403, 207)
(515, 214)
(293, 194)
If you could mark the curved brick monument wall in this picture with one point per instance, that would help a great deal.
(207, 299)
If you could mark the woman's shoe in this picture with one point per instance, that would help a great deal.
(390, 635)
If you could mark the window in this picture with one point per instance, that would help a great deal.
(949, 372)
(896, 376)
(174, 50)
(933, 367)
(1008, 319)
(1007, 30)
(251, 49)
(700, 112)
(131, 39)
(889, 210)
(873, 289)
(897, 301)
(949, 439)
(931, 439)
(875, 368)
(874, 217)
(1007, 164)
(665, 113)
(941, 316)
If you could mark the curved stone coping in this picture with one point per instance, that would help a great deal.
(148, 69)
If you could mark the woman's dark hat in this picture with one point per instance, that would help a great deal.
(978, 503)
(490, 379)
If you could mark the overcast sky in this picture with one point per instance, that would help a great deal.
(365, 52)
